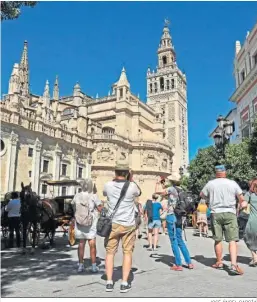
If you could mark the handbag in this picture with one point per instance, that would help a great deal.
(163, 215)
(104, 223)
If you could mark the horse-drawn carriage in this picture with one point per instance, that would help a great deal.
(64, 214)
(55, 214)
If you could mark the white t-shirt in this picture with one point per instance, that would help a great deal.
(125, 214)
(13, 208)
(222, 193)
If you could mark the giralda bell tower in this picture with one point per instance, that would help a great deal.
(167, 95)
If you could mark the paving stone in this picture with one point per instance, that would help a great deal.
(53, 273)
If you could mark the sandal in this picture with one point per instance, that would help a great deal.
(236, 270)
(253, 263)
(218, 265)
(190, 266)
(176, 268)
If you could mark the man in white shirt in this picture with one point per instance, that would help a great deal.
(123, 225)
(222, 194)
(13, 209)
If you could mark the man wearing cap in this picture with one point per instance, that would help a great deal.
(222, 194)
(123, 224)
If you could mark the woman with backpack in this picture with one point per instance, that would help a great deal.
(174, 220)
(86, 205)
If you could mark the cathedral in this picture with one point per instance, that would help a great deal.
(48, 137)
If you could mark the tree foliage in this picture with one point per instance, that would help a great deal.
(238, 162)
(201, 169)
(12, 9)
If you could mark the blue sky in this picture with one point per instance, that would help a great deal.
(89, 42)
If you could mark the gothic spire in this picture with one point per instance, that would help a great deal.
(123, 81)
(24, 70)
(56, 89)
(14, 82)
(46, 95)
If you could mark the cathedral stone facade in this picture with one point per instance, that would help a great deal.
(75, 137)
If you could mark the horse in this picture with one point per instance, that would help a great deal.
(35, 212)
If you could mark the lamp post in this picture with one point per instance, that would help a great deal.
(222, 134)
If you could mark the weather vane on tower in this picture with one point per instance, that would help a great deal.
(166, 22)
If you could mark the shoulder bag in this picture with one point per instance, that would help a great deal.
(104, 223)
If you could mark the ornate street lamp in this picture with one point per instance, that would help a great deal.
(223, 133)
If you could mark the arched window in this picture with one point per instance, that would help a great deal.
(151, 88)
(108, 130)
(155, 87)
(168, 85)
(2, 145)
(162, 83)
(172, 84)
(164, 60)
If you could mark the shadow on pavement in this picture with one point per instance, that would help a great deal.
(117, 274)
(55, 265)
(165, 259)
(240, 259)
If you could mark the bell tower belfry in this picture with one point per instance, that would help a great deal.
(167, 94)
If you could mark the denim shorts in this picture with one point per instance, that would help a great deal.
(155, 224)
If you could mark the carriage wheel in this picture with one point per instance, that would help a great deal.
(30, 234)
(5, 234)
(72, 239)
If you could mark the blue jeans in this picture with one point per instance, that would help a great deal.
(177, 242)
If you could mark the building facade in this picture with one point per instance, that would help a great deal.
(245, 73)
(167, 95)
(51, 137)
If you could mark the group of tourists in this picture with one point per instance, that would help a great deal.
(122, 217)
(221, 195)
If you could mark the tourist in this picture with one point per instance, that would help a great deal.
(250, 236)
(154, 223)
(13, 208)
(138, 216)
(175, 229)
(123, 225)
(86, 204)
(222, 193)
(202, 218)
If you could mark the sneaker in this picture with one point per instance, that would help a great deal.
(125, 288)
(109, 287)
(81, 268)
(92, 269)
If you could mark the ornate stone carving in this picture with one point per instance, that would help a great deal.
(164, 163)
(58, 150)
(38, 145)
(105, 154)
(150, 160)
(47, 154)
(123, 156)
(14, 138)
(171, 112)
(171, 136)
(65, 158)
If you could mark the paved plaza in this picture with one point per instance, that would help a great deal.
(53, 273)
